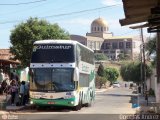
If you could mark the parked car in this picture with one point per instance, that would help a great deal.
(116, 84)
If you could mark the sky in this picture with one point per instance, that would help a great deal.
(74, 16)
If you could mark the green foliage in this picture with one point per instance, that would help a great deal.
(100, 71)
(151, 45)
(26, 33)
(100, 81)
(111, 74)
(100, 56)
(132, 71)
(123, 56)
(151, 92)
(151, 48)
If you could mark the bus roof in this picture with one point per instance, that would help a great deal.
(60, 41)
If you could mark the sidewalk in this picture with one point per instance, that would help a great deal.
(143, 106)
(146, 107)
(16, 108)
(3, 102)
(6, 106)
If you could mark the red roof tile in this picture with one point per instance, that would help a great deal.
(5, 54)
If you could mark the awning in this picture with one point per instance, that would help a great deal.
(137, 11)
(9, 61)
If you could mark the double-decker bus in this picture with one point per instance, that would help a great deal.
(62, 73)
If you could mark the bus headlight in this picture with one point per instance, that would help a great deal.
(71, 102)
(31, 102)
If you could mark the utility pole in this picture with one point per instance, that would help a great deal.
(143, 60)
(144, 66)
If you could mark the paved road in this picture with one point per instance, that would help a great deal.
(113, 101)
(107, 104)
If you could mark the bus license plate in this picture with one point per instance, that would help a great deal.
(51, 102)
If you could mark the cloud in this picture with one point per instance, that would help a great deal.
(111, 2)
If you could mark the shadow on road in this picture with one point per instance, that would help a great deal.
(34, 109)
(116, 95)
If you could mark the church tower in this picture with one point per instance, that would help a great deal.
(99, 28)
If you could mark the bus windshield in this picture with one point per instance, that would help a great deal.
(52, 79)
(53, 53)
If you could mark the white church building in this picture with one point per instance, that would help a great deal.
(102, 41)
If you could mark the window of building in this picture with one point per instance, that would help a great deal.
(121, 45)
(102, 29)
(128, 44)
(114, 45)
(108, 45)
(102, 47)
(98, 28)
(106, 51)
(112, 51)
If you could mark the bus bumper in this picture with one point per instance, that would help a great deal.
(53, 102)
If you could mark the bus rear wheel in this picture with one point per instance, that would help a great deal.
(90, 102)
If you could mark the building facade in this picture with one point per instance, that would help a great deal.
(5, 60)
(102, 41)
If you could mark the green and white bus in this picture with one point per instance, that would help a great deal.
(62, 73)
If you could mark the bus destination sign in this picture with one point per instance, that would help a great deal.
(62, 47)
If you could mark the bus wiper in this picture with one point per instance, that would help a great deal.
(57, 61)
(42, 61)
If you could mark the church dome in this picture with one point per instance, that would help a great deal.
(99, 25)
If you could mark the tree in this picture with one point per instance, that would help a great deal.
(151, 48)
(100, 70)
(100, 79)
(151, 45)
(111, 74)
(26, 33)
(123, 56)
(132, 71)
(100, 56)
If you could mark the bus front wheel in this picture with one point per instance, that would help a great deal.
(79, 106)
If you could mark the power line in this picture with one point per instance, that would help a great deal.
(63, 7)
(77, 12)
(27, 8)
(65, 14)
(25, 3)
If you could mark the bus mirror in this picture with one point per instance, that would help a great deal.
(31, 74)
(76, 74)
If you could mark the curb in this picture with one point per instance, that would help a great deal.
(16, 108)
